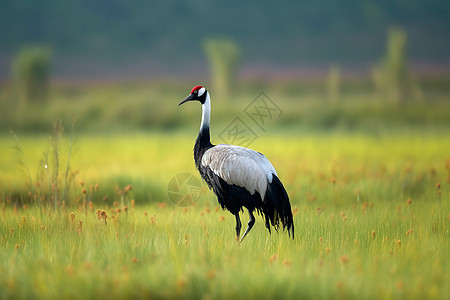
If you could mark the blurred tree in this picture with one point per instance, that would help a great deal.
(31, 73)
(392, 78)
(396, 64)
(223, 56)
(334, 83)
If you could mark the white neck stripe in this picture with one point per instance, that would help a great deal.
(201, 91)
(206, 112)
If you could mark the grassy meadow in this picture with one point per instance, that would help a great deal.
(369, 191)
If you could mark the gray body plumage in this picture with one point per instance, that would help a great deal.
(240, 166)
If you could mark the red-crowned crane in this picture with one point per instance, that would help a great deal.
(240, 177)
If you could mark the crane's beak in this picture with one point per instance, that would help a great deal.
(188, 98)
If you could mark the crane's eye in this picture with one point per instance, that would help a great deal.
(195, 92)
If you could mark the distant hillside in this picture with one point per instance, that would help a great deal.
(169, 33)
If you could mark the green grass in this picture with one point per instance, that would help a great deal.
(368, 253)
(356, 238)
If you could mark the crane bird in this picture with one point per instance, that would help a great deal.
(240, 177)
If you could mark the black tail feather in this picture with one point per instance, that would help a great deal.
(277, 207)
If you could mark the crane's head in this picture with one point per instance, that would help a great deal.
(198, 93)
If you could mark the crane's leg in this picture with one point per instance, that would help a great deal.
(251, 221)
(238, 225)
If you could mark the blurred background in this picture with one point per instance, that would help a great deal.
(124, 65)
(349, 100)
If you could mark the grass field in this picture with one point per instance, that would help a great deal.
(372, 220)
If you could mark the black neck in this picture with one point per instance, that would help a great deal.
(202, 144)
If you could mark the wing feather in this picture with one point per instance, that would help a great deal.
(240, 166)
